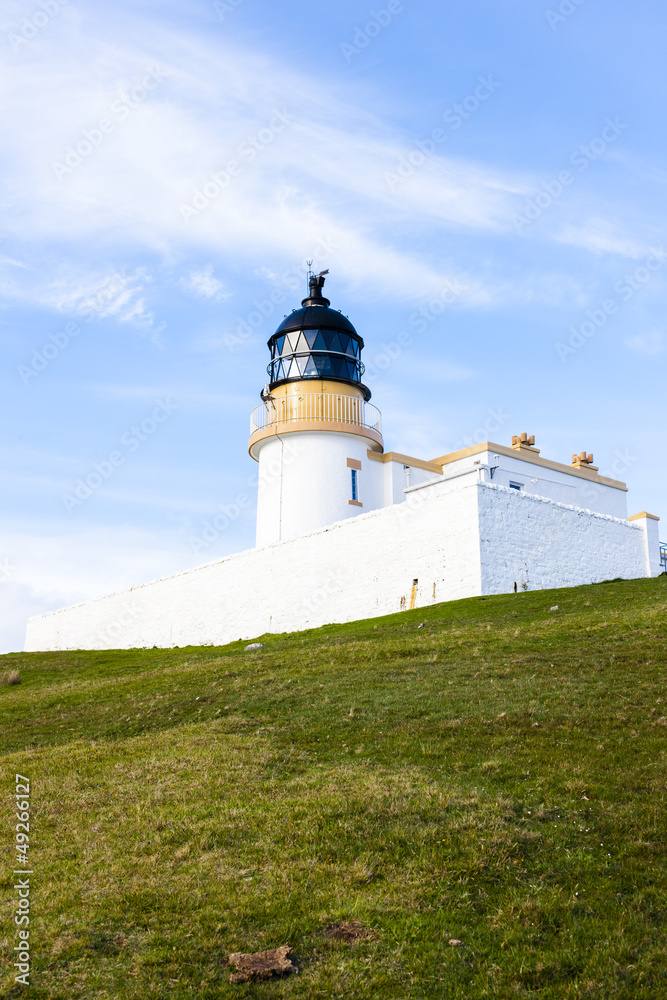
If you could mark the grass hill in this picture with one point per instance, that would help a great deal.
(490, 771)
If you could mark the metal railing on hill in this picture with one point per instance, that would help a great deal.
(663, 556)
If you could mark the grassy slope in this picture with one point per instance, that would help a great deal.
(497, 776)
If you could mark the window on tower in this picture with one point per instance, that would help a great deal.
(355, 484)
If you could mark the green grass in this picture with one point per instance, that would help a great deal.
(496, 776)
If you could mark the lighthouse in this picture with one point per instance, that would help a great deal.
(348, 530)
(315, 427)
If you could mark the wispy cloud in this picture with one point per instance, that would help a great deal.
(84, 292)
(205, 284)
(323, 175)
(601, 235)
(651, 344)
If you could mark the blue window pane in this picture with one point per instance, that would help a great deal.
(355, 484)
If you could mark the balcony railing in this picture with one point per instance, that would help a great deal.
(320, 407)
(663, 556)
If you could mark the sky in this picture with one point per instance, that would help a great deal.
(484, 181)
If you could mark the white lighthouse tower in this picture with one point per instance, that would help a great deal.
(314, 428)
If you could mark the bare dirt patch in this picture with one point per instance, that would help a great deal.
(261, 964)
(348, 931)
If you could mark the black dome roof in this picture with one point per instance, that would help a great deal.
(313, 317)
(316, 342)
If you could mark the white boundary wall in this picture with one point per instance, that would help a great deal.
(538, 543)
(458, 538)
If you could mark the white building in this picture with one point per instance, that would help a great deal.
(485, 520)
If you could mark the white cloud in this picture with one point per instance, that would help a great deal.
(204, 283)
(600, 235)
(650, 344)
(322, 173)
(318, 172)
(85, 293)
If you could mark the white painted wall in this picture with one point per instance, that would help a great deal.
(539, 544)
(396, 481)
(305, 484)
(457, 537)
(651, 533)
(563, 487)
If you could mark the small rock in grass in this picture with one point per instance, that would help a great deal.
(555, 608)
(455, 943)
(422, 625)
(261, 964)
(254, 645)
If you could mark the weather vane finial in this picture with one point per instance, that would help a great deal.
(311, 277)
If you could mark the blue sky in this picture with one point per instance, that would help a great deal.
(488, 178)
